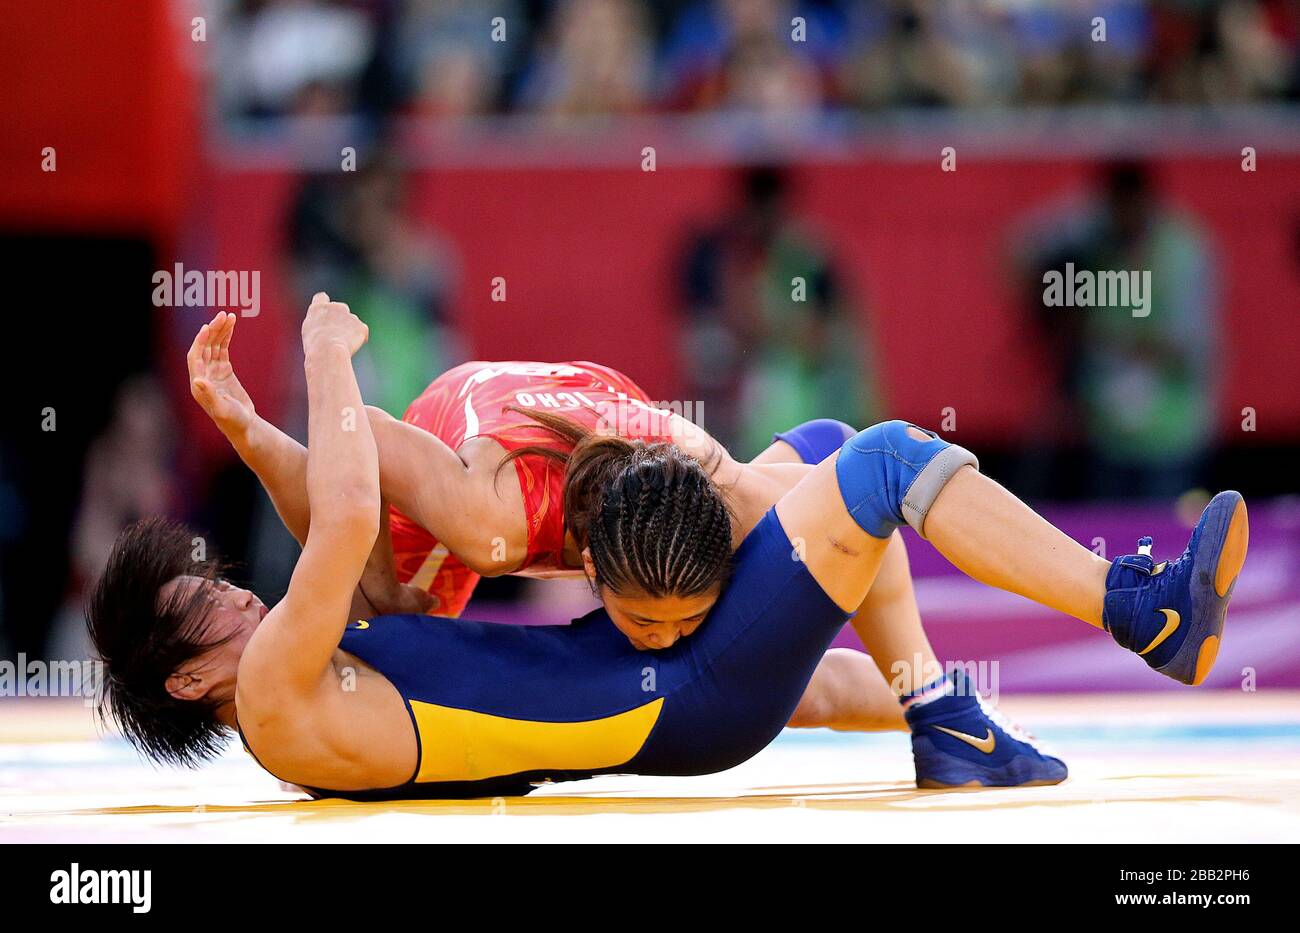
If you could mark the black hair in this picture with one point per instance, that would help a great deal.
(144, 639)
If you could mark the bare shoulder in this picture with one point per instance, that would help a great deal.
(700, 444)
(781, 476)
(262, 689)
(277, 724)
(758, 487)
(481, 454)
(493, 519)
(350, 731)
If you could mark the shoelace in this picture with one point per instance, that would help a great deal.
(1011, 728)
(1144, 549)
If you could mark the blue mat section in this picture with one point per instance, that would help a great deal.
(1218, 733)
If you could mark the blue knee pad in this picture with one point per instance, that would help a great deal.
(816, 440)
(888, 478)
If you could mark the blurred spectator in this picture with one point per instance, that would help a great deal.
(595, 58)
(128, 476)
(1143, 387)
(763, 76)
(447, 60)
(743, 54)
(352, 235)
(294, 56)
(925, 55)
(598, 57)
(1222, 52)
(770, 340)
(1059, 60)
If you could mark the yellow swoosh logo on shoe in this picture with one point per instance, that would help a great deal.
(1172, 621)
(985, 744)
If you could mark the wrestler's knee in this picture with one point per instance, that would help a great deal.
(891, 473)
(817, 705)
(823, 703)
(816, 440)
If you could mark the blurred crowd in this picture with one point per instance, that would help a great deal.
(567, 59)
(770, 332)
(1130, 393)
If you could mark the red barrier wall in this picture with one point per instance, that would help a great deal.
(589, 256)
(104, 84)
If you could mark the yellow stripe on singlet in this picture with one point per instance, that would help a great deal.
(461, 745)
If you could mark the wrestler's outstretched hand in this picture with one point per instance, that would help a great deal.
(398, 598)
(212, 379)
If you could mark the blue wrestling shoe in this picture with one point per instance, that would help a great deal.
(1172, 613)
(958, 741)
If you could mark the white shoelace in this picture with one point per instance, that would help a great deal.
(1010, 728)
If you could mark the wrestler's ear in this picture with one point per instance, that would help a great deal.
(186, 686)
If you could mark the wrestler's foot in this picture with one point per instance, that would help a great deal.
(959, 741)
(1172, 613)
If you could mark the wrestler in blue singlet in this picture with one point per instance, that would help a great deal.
(499, 708)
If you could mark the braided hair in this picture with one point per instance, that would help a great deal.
(654, 521)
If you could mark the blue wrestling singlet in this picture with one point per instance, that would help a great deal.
(497, 708)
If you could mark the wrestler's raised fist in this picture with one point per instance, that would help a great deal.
(332, 322)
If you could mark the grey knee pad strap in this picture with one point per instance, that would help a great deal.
(930, 482)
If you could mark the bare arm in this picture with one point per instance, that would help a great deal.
(750, 488)
(280, 463)
(459, 501)
(697, 442)
(298, 638)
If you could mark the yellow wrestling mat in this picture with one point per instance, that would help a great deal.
(1166, 767)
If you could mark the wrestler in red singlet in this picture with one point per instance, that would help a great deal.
(470, 401)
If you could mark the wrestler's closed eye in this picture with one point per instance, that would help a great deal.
(692, 620)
